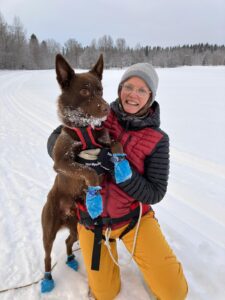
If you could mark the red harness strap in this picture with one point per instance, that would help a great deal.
(80, 135)
(86, 137)
(89, 131)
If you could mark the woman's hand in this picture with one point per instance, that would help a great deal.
(122, 169)
(116, 164)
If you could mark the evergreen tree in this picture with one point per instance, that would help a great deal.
(35, 51)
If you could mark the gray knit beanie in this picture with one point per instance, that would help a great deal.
(146, 72)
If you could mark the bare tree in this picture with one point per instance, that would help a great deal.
(16, 52)
(3, 42)
(73, 49)
(18, 47)
(53, 48)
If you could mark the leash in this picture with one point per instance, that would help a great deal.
(32, 283)
(107, 241)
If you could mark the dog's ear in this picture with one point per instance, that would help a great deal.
(63, 70)
(98, 67)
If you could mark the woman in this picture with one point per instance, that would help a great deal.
(134, 121)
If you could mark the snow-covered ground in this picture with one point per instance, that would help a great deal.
(192, 215)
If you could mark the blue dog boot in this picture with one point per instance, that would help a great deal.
(72, 262)
(47, 283)
(122, 169)
(94, 201)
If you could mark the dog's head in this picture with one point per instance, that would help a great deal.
(80, 103)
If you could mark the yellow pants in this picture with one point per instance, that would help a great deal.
(159, 266)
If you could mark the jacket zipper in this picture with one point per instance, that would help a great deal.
(107, 186)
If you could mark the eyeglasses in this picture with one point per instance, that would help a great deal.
(129, 88)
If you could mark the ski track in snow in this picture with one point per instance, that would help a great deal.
(193, 222)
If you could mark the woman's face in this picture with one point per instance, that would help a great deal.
(134, 95)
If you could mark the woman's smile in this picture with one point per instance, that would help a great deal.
(134, 95)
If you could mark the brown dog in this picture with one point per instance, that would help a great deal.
(79, 105)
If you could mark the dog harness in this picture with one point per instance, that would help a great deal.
(90, 148)
(86, 137)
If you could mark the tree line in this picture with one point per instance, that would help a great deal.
(18, 52)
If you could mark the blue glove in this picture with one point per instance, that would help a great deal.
(94, 201)
(122, 169)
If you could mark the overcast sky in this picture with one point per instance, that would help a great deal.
(148, 22)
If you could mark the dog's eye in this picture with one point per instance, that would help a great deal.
(85, 92)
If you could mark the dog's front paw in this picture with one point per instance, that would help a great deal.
(47, 284)
(72, 262)
(94, 201)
